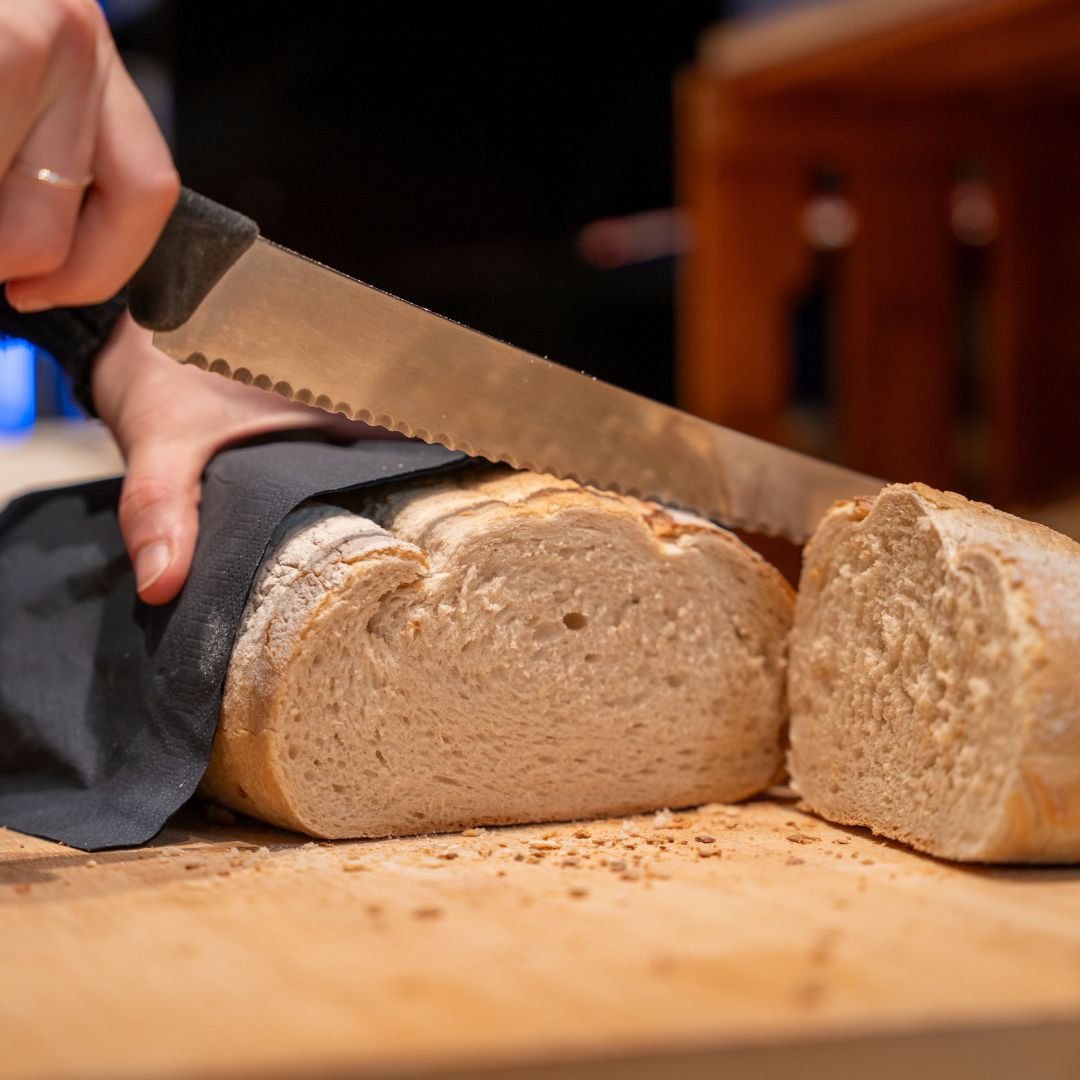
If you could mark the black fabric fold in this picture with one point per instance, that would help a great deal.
(107, 706)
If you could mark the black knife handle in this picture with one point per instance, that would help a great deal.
(200, 241)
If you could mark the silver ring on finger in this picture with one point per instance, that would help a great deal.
(44, 175)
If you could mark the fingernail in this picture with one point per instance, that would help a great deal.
(28, 305)
(151, 562)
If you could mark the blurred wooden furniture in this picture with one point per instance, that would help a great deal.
(895, 98)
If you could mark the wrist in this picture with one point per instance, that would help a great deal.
(127, 347)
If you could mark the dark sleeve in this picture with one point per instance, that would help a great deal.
(73, 335)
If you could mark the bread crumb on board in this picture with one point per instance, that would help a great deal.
(624, 856)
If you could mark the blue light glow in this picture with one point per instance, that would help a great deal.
(18, 398)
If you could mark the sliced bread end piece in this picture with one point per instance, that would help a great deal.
(934, 680)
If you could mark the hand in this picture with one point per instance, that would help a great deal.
(68, 105)
(170, 420)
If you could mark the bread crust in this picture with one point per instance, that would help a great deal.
(1036, 817)
(319, 558)
(325, 562)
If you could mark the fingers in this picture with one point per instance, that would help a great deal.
(36, 230)
(159, 515)
(159, 504)
(138, 394)
(68, 105)
(48, 49)
(51, 123)
(168, 440)
(169, 421)
(38, 220)
(135, 189)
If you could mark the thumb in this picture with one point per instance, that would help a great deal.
(159, 517)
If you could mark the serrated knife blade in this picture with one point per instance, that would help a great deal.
(284, 323)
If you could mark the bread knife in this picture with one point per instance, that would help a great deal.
(220, 296)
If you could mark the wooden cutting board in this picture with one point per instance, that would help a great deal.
(754, 940)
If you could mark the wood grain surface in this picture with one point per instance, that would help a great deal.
(754, 939)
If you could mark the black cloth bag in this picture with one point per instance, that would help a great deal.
(107, 706)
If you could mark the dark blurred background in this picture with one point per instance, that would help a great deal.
(877, 244)
(449, 154)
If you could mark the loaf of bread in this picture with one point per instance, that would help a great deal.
(504, 648)
(935, 677)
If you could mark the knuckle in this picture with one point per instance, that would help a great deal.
(79, 34)
(144, 496)
(143, 200)
(52, 43)
(160, 188)
(81, 21)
